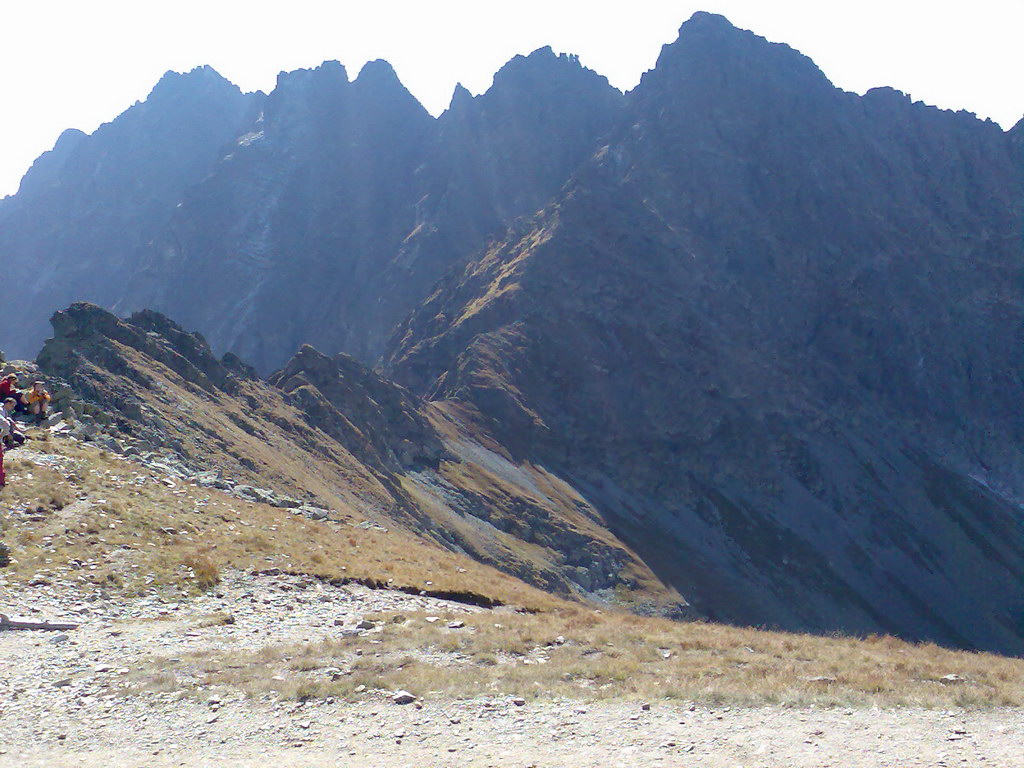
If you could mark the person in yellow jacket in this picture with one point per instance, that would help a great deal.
(38, 400)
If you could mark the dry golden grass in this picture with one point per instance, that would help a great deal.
(218, 619)
(579, 653)
(116, 525)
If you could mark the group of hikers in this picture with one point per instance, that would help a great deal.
(34, 403)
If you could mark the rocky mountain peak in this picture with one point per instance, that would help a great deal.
(713, 55)
(535, 99)
(376, 73)
(544, 71)
(47, 168)
(330, 73)
(461, 98)
(377, 86)
(305, 101)
(1016, 135)
(198, 80)
(520, 65)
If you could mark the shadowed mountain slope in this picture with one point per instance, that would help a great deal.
(84, 208)
(772, 332)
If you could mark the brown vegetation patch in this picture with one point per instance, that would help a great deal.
(583, 654)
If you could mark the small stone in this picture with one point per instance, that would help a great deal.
(456, 624)
(403, 697)
(519, 702)
(365, 624)
(645, 707)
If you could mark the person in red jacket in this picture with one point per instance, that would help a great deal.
(9, 388)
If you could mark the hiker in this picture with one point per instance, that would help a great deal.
(38, 400)
(6, 428)
(9, 388)
(10, 435)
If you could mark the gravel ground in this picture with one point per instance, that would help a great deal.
(62, 702)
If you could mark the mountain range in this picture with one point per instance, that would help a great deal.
(736, 344)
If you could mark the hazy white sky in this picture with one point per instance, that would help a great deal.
(77, 64)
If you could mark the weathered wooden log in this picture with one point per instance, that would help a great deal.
(17, 622)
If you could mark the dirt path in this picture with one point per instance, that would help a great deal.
(481, 733)
(63, 702)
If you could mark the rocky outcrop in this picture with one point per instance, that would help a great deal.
(370, 415)
(83, 334)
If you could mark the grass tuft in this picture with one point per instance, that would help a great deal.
(207, 574)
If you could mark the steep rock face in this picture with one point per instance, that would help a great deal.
(496, 157)
(350, 196)
(322, 213)
(86, 206)
(305, 205)
(769, 332)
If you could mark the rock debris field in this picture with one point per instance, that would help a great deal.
(65, 699)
